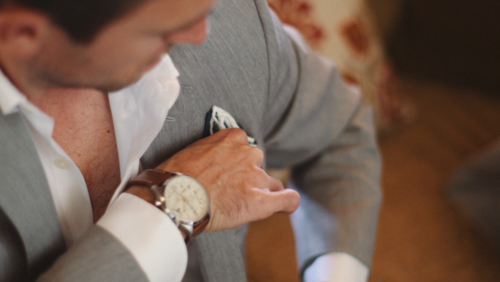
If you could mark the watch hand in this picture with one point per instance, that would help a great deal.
(184, 206)
(185, 201)
(180, 195)
(198, 198)
(195, 212)
(175, 191)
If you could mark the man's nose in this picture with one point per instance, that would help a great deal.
(196, 34)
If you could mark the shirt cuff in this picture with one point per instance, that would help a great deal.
(149, 234)
(336, 267)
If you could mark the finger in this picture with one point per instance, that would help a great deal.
(289, 200)
(255, 155)
(285, 201)
(237, 135)
(256, 177)
(275, 184)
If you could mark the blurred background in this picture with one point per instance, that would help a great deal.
(430, 68)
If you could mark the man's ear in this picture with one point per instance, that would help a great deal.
(22, 31)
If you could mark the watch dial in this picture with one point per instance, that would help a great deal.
(186, 198)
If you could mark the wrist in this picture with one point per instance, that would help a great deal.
(181, 197)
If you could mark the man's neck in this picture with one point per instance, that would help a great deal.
(22, 82)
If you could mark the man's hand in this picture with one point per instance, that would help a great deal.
(239, 190)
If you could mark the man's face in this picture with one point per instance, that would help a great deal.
(124, 50)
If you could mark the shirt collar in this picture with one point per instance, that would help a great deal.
(166, 68)
(10, 96)
(139, 111)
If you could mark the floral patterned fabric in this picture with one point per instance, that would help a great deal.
(344, 31)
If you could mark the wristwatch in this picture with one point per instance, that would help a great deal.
(181, 197)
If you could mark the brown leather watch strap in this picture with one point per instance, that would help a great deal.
(197, 229)
(149, 178)
(201, 227)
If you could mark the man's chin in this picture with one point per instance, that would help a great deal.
(113, 87)
(125, 83)
(152, 65)
(109, 85)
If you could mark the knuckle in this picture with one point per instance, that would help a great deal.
(235, 133)
(255, 153)
(277, 183)
(258, 152)
(259, 173)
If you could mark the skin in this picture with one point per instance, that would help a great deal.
(57, 74)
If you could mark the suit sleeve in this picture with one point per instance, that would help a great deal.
(133, 241)
(326, 135)
(99, 257)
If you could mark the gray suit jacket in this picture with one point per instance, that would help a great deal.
(283, 94)
(301, 114)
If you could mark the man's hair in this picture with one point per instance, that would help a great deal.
(81, 19)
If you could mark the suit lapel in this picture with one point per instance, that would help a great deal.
(25, 196)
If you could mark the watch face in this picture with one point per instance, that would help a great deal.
(186, 198)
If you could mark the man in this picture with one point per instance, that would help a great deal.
(65, 158)
(293, 103)
(302, 116)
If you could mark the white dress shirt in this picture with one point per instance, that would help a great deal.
(139, 112)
